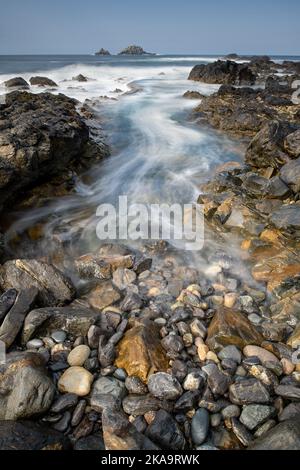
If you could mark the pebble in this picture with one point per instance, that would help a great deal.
(288, 366)
(200, 426)
(107, 391)
(78, 413)
(255, 319)
(64, 402)
(230, 299)
(255, 415)
(211, 356)
(202, 350)
(197, 328)
(248, 391)
(165, 432)
(217, 381)
(135, 385)
(231, 352)
(120, 374)
(76, 380)
(192, 381)
(215, 420)
(78, 355)
(63, 424)
(35, 344)
(59, 336)
(231, 411)
(164, 386)
(261, 353)
(187, 401)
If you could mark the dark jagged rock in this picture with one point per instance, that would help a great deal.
(42, 81)
(41, 135)
(226, 72)
(6, 302)
(165, 432)
(26, 435)
(80, 78)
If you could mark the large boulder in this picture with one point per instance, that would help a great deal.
(226, 72)
(25, 388)
(41, 134)
(17, 82)
(27, 435)
(42, 82)
(54, 288)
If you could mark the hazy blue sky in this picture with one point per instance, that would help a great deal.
(163, 26)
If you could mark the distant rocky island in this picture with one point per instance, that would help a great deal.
(134, 50)
(102, 52)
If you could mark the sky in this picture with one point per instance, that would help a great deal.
(161, 26)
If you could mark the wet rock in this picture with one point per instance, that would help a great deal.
(288, 391)
(123, 277)
(230, 327)
(292, 144)
(78, 355)
(135, 385)
(54, 288)
(263, 355)
(294, 339)
(187, 401)
(26, 389)
(64, 402)
(78, 413)
(172, 343)
(132, 301)
(266, 148)
(231, 411)
(14, 319)
(287, 217)
(230, 352)
(17, 82)
(43, 321)
(165, 432)
(290, 174)
(248, 391)
(137, 405)
(103, 296)
(59, 336)
(193, 381)
(92, 442)
(107, 392)
(140, 351)
(63, 424)
(31, 150)
(164, 386)
(227, 72)
(120, 434)
(80, 78)
(42, 82)
(192, 95)
(7, 300)
(284, 436)
(290, 411)
(200, 426)
(26, 435)
(76, 380)
(218, 381)
(253, 416)
(241, 432)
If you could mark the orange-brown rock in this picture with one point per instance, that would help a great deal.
(103, 295)
(140, 352)
(231, 327)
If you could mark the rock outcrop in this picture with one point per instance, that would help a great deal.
(223, 72)
(40, 136)
(134, 50)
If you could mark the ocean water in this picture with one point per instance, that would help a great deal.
(158, 153)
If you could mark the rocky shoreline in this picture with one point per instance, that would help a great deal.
(140, 350)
